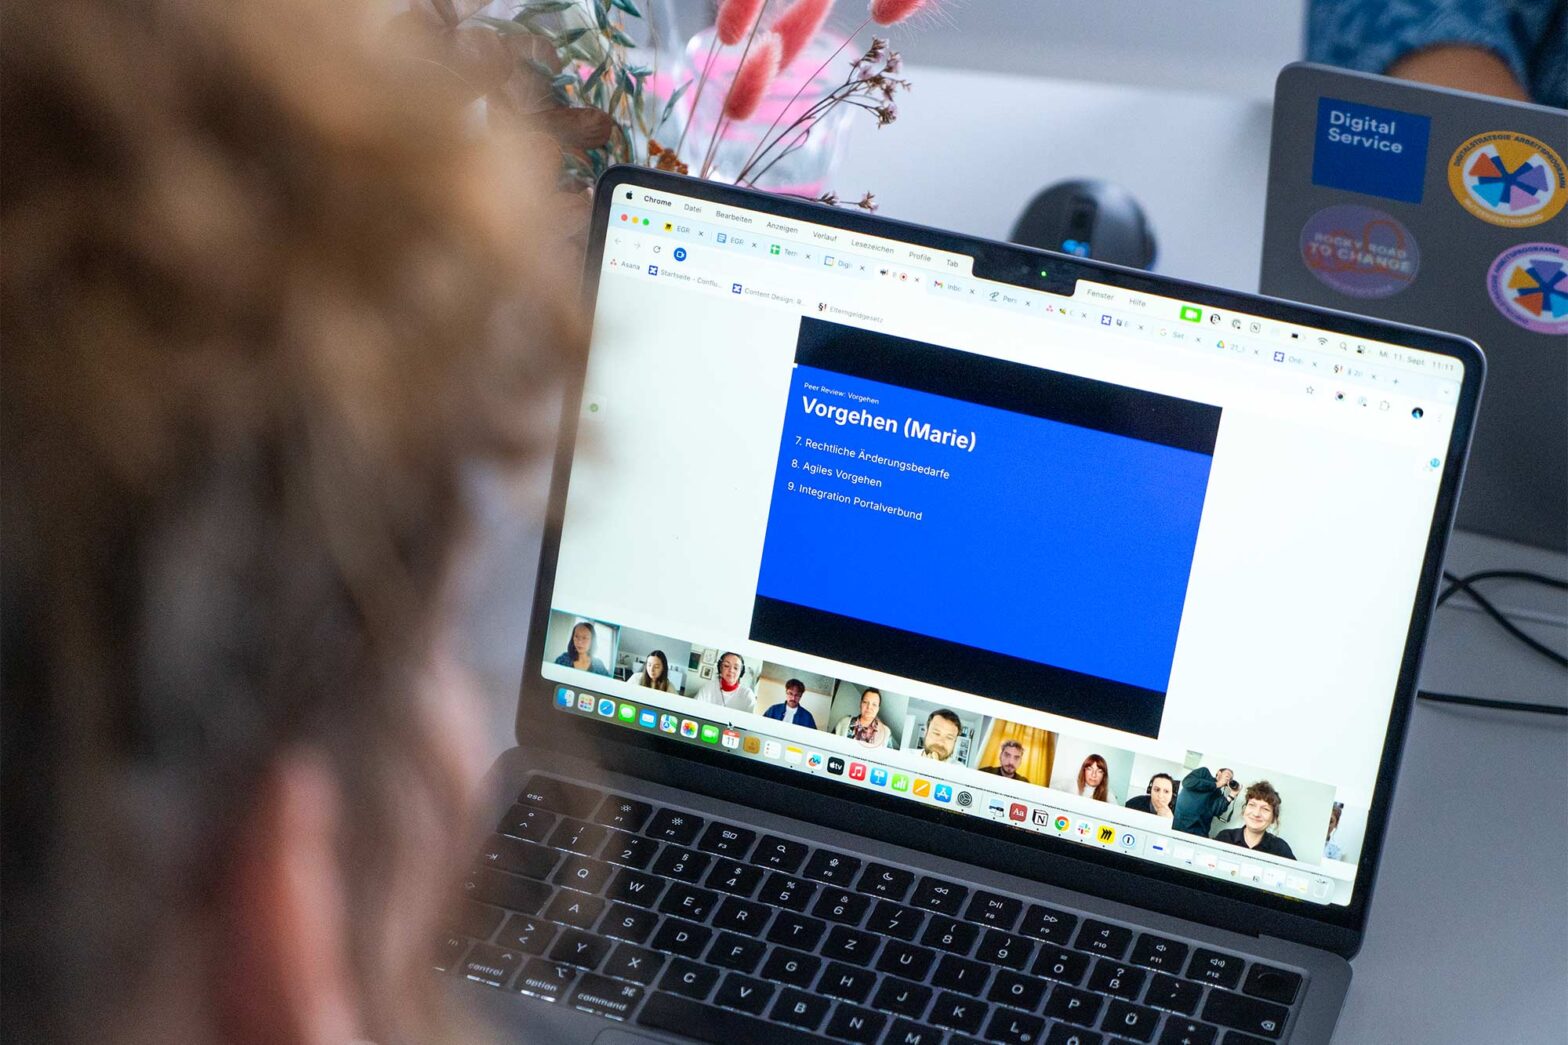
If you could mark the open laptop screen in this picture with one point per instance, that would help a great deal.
(1105, 565)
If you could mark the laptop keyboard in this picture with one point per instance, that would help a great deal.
(667, 919)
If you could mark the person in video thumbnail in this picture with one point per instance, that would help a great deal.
(579, 650)
(941, 739)
(866, 727)
(1008, 759)
(1159, 799)
(1332, 849)
(790, 712)
(1203, 797)
(656, 672)
(1092, 781)
(726, 688)
(1260, 813)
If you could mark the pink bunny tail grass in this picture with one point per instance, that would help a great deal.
(736, 17)
(891, 12)
(753, 79)
(798, 25)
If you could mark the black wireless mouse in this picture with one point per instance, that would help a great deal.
(1091, 219)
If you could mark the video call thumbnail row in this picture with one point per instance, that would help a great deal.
(1227, 799)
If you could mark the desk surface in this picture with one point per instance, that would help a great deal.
(1470, 924)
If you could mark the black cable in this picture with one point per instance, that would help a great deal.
(1466, 585)
(1479, 702)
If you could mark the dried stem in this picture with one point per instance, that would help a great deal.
(754, 157)
(713, 142)
(713, 47)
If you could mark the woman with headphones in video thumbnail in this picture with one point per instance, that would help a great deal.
(726, 688)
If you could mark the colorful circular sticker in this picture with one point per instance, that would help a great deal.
(1508, 179)
(1529, 285)
(1360, 251)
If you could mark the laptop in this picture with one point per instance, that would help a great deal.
(1448, 209)
(940, 640)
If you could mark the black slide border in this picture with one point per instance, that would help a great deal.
(1027, 683)
(1006, 385)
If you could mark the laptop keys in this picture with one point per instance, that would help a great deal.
(1104, 938)
(990, 909)
(511, 891)
(1014, 1028)
(780, 854)
(1129, 1021)
(1019, 991)
(734, 878)
(1249, 1015)
(852, 983)
(579, 836)
(951, 935)
(603, 996)
(545, 979)
(895, 920)
(476, 919)
(1187, 1032)
(1124, 981)
(628, 850)
(530, 823)
(1222, 970)
(792, 967)
(890, 883)
(1049, 924)
(689, 901)
(628, 923)
(936, 895)
(1168, 992)
(903, 997)
(686, 939)
(491, 965)
(714, 1025)
(790, 929)
(780, 890)
(686, 978)
(959, 1012)
(908, 960)
(850, 945)
(1156, 952)
(450, 950)
(745, 993)
(1006, 949)
(733, 951)
(831, 868)
(635, 888)
(1061, 965)
(524, 858)
(579, 948)
(559, 796)
(671, 825)
(842, 906)
(798, 1009)
(960, 974)
(686, 864)
(855, 1024)
(622, 813)
(585, 873)
(575, 909)
(741, 916)
(1074, 1006)
(727, 840)
(526, 934)
(1270, 984)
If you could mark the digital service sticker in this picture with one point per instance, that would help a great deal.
(1367, 149)
(1360, 251)
(1508, 179)
(1529, 285)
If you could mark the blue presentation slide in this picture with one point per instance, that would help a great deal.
(983, 528)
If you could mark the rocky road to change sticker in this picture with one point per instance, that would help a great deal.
(1508, 179)
(1529, 285)
(1360, 251)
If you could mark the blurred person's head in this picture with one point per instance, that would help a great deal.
(1091, 778)
(268, 312)
(942, 730)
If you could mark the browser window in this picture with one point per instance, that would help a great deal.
(1108, 566)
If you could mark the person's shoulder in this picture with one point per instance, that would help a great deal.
(993, 770)
(1230, 834)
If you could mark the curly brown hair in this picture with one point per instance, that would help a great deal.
(268, 312)
(1264, 791)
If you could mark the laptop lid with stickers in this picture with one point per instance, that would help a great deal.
(1446, 210)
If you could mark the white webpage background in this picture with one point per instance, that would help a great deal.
(1306, 561)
